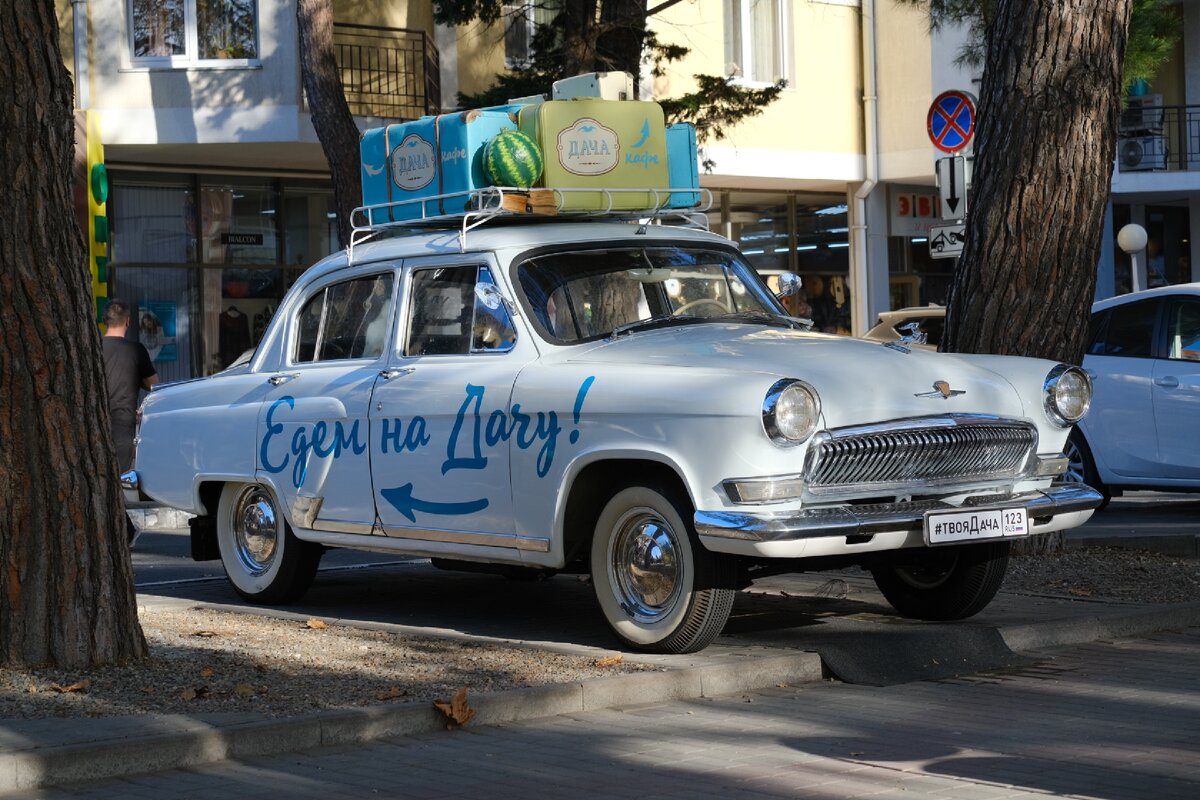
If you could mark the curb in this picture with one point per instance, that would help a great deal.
(1081, 630)
(197, 744)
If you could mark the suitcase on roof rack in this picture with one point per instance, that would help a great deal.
(461, 138)
(400, 163)
(600, 144)
(682, 165)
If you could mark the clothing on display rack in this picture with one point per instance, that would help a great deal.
(234, 333)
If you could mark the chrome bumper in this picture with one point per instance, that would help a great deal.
(131, 487)
(865, 520)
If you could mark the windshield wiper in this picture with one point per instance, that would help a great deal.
(664, 321)
(767, 318)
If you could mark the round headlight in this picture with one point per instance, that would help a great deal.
(790, 412)
(1068, 393)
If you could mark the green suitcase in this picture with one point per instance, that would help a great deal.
(601, 144)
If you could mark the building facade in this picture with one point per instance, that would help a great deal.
(220, 195)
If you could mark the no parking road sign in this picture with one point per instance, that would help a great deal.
(952, 121)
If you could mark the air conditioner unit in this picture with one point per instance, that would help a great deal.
(1142, 152)
(1142, 114)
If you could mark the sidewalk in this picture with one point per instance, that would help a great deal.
(769, 643)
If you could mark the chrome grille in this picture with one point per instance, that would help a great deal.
(915, 453)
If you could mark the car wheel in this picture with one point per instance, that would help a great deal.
(1081, 466)
(943, 583)
(263, 559)
(659, 589)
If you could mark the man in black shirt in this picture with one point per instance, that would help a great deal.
(127, 370)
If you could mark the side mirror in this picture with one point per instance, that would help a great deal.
(789, 285)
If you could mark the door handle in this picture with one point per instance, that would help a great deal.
(277, 380)
(388, 374)
(1167, 382)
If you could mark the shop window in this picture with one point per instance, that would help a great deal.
(189, 32)
(754, 45)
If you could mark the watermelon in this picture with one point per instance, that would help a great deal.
(512, 158)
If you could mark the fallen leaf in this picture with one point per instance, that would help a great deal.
(205, 633)
(244, 690)
(206, 672)
(31, 689)
(610, 661)
(391, 693)
(78, 686)
(1080, 592)
(316, 624)
(199, 693)
(457, 709)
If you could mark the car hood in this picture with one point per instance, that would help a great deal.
(858, 381)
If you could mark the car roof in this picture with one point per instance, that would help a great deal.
(1133, 297)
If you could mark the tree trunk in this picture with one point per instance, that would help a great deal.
(331, 115)
(1047, 122)
(621, 47)
(66, 585)
(579, 36)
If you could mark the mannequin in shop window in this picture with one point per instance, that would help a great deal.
(234, 330)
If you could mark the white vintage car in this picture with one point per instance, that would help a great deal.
(609, 398)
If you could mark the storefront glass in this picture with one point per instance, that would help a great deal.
(207, 260)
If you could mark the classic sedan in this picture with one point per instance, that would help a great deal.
(1144, 360)
(621, 400)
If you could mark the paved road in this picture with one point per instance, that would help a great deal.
(1117, 720)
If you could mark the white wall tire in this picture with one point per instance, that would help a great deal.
(659, 590)
(263, 559)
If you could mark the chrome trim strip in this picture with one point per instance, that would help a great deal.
(334, 526)
(866, 520)
(530, 543)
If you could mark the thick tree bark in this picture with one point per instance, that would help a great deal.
(66, 584)
(1047, 122)
(331, 115)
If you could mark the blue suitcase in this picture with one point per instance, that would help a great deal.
(461, 139)
(400, 163)
(682, 165)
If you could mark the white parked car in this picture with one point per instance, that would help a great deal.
(608, 398)
(1144, 360)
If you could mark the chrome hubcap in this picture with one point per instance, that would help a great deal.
(255, 530)
(644, 566)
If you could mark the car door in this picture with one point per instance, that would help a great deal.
(443, 423)
(314, 430)
(1120, 426)
(1176, 390)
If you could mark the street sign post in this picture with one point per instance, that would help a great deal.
(947, 241)
(951, 121)
(952, 186)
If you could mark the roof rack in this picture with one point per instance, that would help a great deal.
(493, 203)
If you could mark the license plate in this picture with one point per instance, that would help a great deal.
(952, 527)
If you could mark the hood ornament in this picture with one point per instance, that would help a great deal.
(941, 389)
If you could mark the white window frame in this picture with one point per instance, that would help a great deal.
(190, 57)
(746, 45)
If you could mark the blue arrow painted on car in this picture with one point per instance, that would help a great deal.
(402, 498)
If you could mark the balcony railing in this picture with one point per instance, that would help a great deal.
(388, 72)
(1157, 137)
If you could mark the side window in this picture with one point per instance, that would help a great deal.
(346, 320)
(454, 314)
(1130, 330)
(1183, 330)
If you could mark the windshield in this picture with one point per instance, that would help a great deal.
(580, 295)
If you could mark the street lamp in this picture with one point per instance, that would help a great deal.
(1132, 239)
